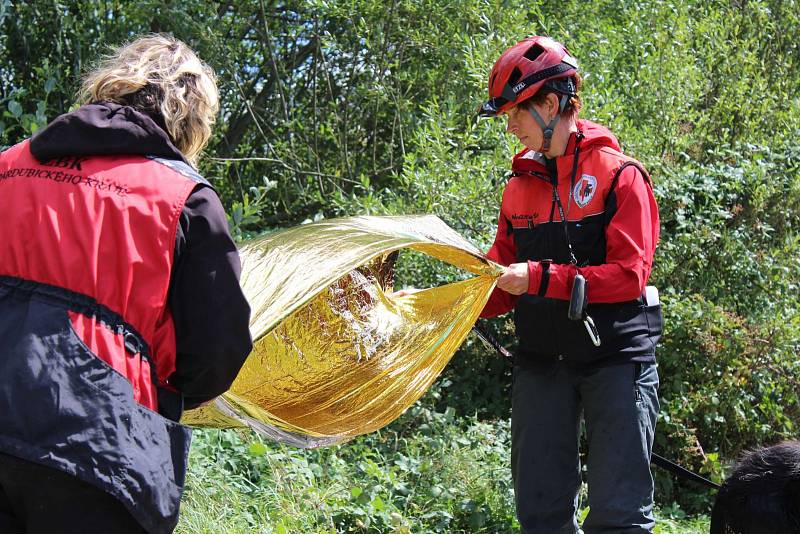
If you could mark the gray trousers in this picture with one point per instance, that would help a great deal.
(619, 405)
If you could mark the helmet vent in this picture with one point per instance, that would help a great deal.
(516, 74)
(533, 52)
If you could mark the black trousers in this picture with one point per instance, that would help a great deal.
(36, 500)
(619, 405)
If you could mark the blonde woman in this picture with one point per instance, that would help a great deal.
(119, 298)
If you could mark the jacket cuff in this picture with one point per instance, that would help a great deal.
(534, 277)
(560, 277)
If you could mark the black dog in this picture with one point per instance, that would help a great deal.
(762, 495)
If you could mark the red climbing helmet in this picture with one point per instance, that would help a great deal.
(524, 68)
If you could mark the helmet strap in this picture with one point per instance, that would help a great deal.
(548, 129)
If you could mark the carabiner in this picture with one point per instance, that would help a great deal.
(594, 335)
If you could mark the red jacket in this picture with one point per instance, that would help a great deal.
(613, 228)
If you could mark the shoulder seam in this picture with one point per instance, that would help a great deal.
(181, 168)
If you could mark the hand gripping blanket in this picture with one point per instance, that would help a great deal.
(334, 357)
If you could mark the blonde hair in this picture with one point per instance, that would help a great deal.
(162, 77)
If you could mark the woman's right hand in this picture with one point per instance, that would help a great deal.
(514, 279)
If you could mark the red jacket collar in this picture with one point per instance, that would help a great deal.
(594, 136)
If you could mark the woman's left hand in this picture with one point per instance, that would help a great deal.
(403, 292)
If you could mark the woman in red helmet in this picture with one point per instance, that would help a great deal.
(577, 230)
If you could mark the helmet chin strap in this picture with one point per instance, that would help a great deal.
(548, 129)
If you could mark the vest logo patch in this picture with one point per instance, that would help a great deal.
(584, 190)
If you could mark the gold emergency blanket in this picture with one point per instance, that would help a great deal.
(334, 356)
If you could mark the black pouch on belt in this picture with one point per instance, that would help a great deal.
(579, 299)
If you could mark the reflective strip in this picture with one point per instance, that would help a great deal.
(181, 168)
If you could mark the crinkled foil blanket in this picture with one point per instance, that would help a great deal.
(334, 356)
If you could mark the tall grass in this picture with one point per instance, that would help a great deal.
(428, 472)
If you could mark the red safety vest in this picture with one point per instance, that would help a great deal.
(103, 227)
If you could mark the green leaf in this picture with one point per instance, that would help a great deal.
(477, 520)
(15, 109)
(238, 214)
(258, 449)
